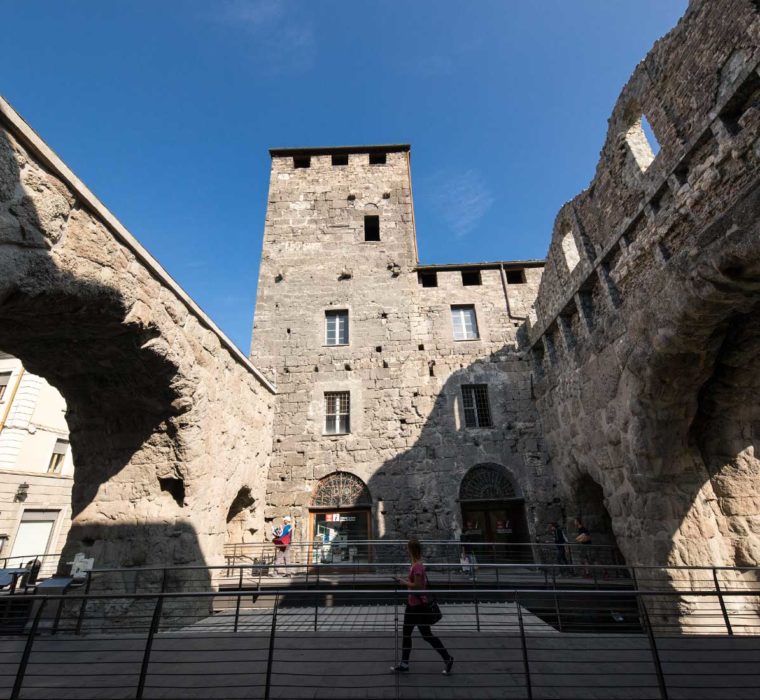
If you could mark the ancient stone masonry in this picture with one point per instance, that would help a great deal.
(403, 373)
(647, 327)
(168, 421)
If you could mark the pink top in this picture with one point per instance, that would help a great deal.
(417, 569)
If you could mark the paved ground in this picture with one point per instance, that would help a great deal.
(350, 654)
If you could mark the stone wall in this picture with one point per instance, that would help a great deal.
(168, 420)
(646, 334)
(402, 367)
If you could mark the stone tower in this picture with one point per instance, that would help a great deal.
(379, 362)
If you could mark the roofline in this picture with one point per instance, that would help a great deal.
(484, 265)
(330, 150)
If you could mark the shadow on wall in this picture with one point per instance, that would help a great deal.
(120, 392)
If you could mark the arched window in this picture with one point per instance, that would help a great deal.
(341, 490)
(487, 482)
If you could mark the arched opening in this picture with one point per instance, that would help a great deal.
(240, 528)
(493, 515)
(340, 520)
(588, 498)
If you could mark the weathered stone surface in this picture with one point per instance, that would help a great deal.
(168, 421)
(669, 273)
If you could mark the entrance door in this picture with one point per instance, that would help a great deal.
(340, 535)
(33, 535)
(501, 523)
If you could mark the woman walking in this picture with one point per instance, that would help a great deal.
(417, 613)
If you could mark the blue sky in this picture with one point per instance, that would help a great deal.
(166, 110)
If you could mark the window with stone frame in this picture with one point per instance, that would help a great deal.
(477, 411)
(465, 322)
(5, 379)
(337, 412)
(336, 327)
(58, 457)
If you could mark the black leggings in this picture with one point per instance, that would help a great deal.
(416, 615)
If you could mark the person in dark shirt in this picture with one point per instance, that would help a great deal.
(584, 538)
(559, 540)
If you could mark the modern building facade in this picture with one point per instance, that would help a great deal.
(36, 466)
(403, 406)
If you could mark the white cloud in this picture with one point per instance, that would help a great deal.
(279, 41)
(461, 198)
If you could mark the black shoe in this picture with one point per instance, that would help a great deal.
(400, 668)
(447, 666)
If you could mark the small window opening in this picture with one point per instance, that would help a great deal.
(57, 459)
(301, 161)
(642, 142)
(372, 227)
(340, 159)
(378, 348)
(420, 347)
(477, 412)
(570, 249)
(175, 488)
(515, 276)
(427, 278)
(431, 368)
(471, 278)
(377, 158)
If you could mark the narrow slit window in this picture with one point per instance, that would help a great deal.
(372, 227)
(337, 412)
(58, 457)
(301, 161)
(336, 327)
(340, 159)
(465, 323)
(471, 278)
(377, 159)
(5, 379)
(477, 411)
(427, 278)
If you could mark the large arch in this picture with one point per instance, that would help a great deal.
(167, 418)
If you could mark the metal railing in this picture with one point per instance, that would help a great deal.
(301, 642)
(379, 551)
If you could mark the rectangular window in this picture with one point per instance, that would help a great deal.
(515, 276)
(377, 158)
(337, 412)
(58, 457)
(336, 327)
(464, 322)
(471, 278)
(477, 412)
(301, 161)
(340, 159)
(5, 379)
(372, 228)
(427, 278)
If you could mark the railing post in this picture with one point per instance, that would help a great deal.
(653, 647)
(524, 646)
(27, 652)
(239, 597)
(80, 618)
(396, 659)
(722, 602)
(270, 656)
(475, 596)
(316, 601)
(155, 621)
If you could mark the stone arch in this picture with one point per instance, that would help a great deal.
(240, 527)
(590, 509)
(153, 389)
(341, 490)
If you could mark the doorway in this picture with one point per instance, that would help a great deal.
(493, 516)
(340, 521)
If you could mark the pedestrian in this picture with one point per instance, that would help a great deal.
(584, 538)
(418, 612)
(560, 540)
(283, 536)
(468, 561)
